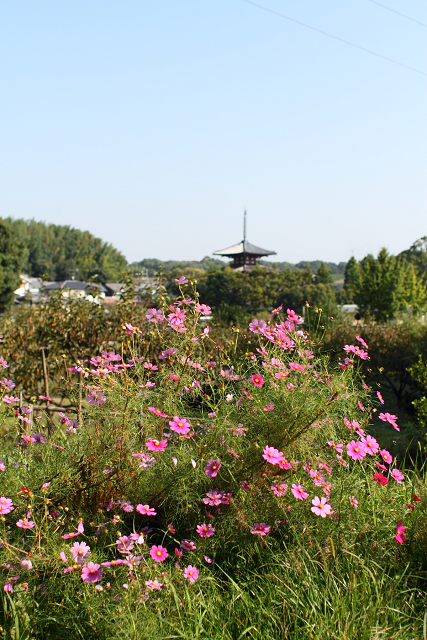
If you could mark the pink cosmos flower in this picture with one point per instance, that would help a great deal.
(154, 315)
(338, 447)
(321, 507)
(294, 317)
(188, 545)
(284, 464)
(79, 551)
(181, 280)
(8, 587)
(153, 584)
(168, 352)
(6, 506)
(10, 399)
(174, 377)
(397, 475)
(296, 367)
(371, 445)
(157, 412)
(390, 418)
(299, 492)
(400, 533)
(362, 342)
(125, 544)
(360, 405)
(92, 572)
(386, 456)
(25, 524)
(256, 325)
(213, 467)
(191, 573)
(145, 510)
(279, 489)
(205, 530)
(207, 559)
(347, 364)
(158, 553)
(380, 478)
(204, 309)
(180, 425)
(214, 498)
(356, 450)
(96, 398)
(381, 466)
(380, 398)
(269, 407)
(257, 380)
(260, 528)
(156, 445)
(272, 455)
(353, 501)
(73, 534)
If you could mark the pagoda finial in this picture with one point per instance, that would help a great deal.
(244, 227)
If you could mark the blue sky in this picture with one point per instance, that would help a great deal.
(154, 124)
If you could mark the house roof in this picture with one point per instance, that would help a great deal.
(244, 247)
(74, 284)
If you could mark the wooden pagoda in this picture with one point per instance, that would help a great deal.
(244, 254)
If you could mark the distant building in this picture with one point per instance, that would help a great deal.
(29, 287)
(244, 254)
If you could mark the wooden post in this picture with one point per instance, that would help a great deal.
(46, 382)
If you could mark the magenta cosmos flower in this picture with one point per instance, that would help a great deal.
(380, 398)
(386, 456)
(6, 506)
(158, 553)
(205, 530)
(145, 510)
(213, 467)
(321, 507)
(92, 572)
(260, 528)
(188, 545)
(157, 412)
(156, 445)
(191, 573)
(400, 533)
(353, 501)
(356, 450)
(257, 380)
(272, 455)
(180, 425)
(371, 445)
(397, 475)
(299, 492)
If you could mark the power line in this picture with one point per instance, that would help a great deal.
(398, 13)
(330, 35)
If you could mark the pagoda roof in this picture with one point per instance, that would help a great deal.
(244, 247)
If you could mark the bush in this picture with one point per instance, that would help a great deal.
(218, 492)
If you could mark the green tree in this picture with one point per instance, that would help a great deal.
(323, 275)
(61, 252)
(385, 285)
(11, 257)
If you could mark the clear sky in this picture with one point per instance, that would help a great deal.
(155, 123)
